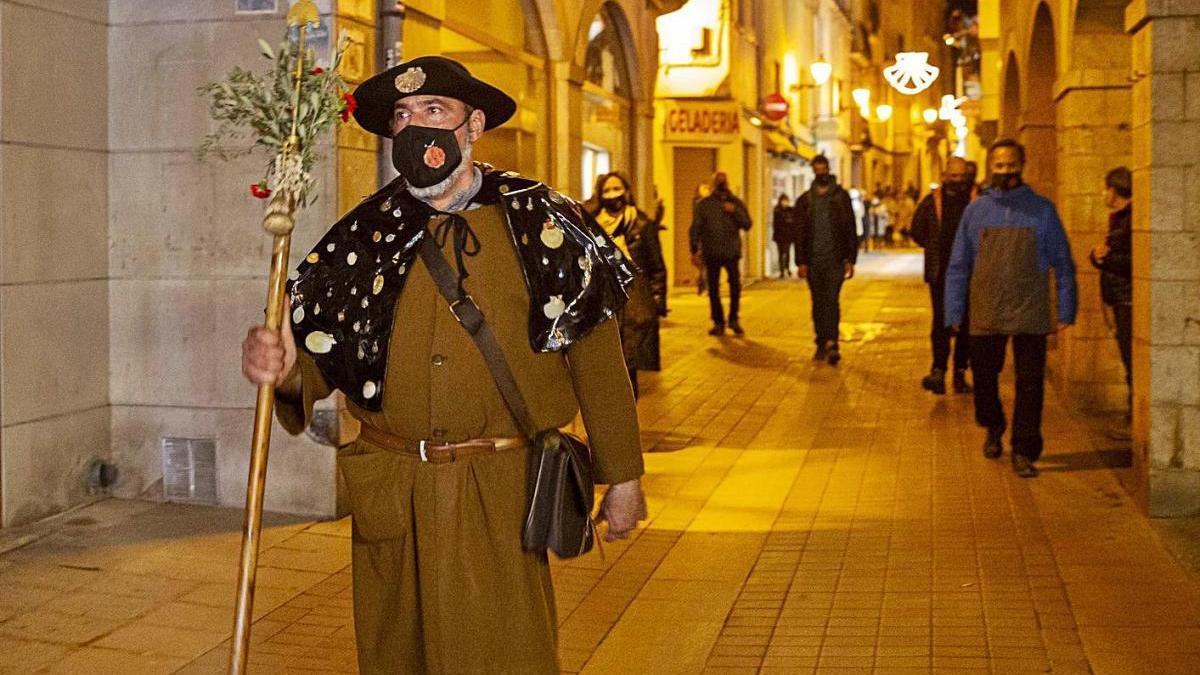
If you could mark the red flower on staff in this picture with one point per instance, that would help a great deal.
(435, 157)
(317, 71)
(349, 105)
(260, 189)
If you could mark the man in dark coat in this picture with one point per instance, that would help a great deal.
(1114, 258)
(826, 250)
(934, 226)
(716, 235)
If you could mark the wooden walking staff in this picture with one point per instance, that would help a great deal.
(279, 221)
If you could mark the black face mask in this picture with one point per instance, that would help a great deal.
(1006, 181)
(955, 188)
(426, 156)
(614, 205)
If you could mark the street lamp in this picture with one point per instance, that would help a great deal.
(821, 70)
(883, 112)
(930, 115)
(862, 97)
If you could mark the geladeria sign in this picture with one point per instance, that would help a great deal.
(702, 121)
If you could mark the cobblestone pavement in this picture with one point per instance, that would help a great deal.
(803, 518)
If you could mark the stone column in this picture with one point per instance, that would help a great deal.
(1093, 137)
(1166, 240)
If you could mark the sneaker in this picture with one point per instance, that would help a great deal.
(821, 354)
(1023, 466)
(834, 355)
(993, 446)
(961, 386)
(736, 328)
(935, 381)
(717, 330)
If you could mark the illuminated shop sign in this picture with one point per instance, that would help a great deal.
(703, 122)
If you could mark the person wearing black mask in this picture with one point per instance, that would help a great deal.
(783, 233)
(934, 225)
(612, 204)
(1009, 240)
(717, 223)
(826, 251)
(386, 309)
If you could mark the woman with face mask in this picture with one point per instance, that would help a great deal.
(636, 234)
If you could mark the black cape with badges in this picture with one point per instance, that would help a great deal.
(344, 292)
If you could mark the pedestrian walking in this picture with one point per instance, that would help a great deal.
(717, 224)
(783, 233)
(1009, 240)
(1114, 258)
(636, 234)
(437, 480)
(826, 251)
(935, 224)
(702, 190)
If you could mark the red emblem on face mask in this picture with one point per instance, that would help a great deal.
(435, 157)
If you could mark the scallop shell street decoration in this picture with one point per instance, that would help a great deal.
(912, 73)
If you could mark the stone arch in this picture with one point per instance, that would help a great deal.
(1038, 124)
(1098, 39)
(548, 20)
(612, 13)
(1010, 111)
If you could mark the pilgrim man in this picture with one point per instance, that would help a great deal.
(437, 479)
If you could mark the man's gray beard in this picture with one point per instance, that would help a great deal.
(440, 190)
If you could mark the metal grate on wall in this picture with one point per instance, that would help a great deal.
(190, 470)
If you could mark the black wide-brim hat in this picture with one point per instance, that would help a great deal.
(427, 76)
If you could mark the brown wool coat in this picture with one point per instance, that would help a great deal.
(441, 583)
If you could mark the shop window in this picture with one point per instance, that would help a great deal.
(596, 162)
(605, 63)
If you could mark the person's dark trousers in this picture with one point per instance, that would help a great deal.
(1029, 357)
(714, 289)
(825, 284)
(940, 335)
(1124, 320)
(785, 254)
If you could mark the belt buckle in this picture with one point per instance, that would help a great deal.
(460, 301)
(421, 447)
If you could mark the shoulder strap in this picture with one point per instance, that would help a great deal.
(469, 316)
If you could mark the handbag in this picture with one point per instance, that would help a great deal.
(560, 483)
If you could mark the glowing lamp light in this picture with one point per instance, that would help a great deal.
(950, 105)
(912, 73)
(821, 70)
(862, 97)
(930, 115)
(884, 112)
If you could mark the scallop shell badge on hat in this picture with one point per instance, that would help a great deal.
(410, 80)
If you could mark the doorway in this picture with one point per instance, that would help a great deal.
(693, 166)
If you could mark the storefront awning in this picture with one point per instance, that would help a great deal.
(781, 143)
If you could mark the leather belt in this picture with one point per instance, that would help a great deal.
(439, 453)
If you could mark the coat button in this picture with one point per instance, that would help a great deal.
(438, 359)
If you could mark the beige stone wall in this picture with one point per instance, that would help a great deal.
(187, 255)
(1166, 135)
(53, 264)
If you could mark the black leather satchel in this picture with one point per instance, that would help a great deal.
(561, 488)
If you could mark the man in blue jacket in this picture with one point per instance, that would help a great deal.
(1009, 240)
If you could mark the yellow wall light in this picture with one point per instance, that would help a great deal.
(883, 111)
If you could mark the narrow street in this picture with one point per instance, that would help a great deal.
(803, 518)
